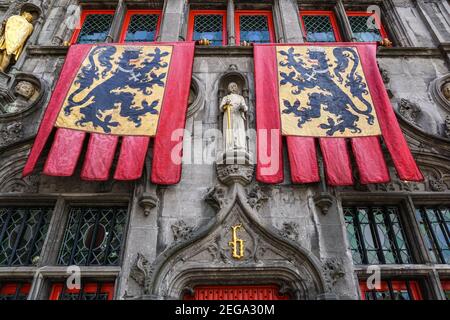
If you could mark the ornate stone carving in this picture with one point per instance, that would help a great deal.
(240, 173)
(215, 197)
(324, 201)
(148, 201)
(141, 272)
(196, 97)
(409, 110)
(440, 91)
(256, 197)
(446, 90)
(289, 230)
(11, 133)
(333, 270)
(29, 184)
(398, 185)
(181, 231)
(447, 127)
(437, 185)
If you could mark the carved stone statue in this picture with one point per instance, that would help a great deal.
(15, 32)
(446, 90)
(234, 108)
(26, 93)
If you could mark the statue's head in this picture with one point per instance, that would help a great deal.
(28, 16)
(446, 90)
(233, 88)
(25, 89)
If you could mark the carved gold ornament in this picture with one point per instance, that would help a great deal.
(236, 244)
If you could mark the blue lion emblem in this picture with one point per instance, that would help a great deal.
(111, 93)
(334, 100)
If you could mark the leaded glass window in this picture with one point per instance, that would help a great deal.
(93, 236)
(376, 235)
(95, 28)
(363, 29)
(142, 28)
(88, 291)
(14, 290)
(392, 290)
(22, 234)
(254, 28)
(435, 227)
(209, 26)
(319, 28)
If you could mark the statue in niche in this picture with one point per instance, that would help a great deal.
(446, 91)
(13, 36)
(234, 111)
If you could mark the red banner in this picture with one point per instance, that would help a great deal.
(334, 94)
(120, 95)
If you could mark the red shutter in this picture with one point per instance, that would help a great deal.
(269, 292)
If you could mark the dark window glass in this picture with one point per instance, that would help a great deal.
(363, 31)
(14, 290)
(392, 290)
(254, 28)
(95, 28)
(142, 28)
(208, 27)
(435, 225)
(376, 235)
(93, 236)
(22, 234)
(318, 28)
(88, 291)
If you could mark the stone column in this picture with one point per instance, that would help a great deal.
(231, 33)
(172, 22)
(341, 15)
(287, 14)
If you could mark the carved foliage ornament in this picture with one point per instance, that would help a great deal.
(141, 272)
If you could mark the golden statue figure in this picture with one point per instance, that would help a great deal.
(15, 32)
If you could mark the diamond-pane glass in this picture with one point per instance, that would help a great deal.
(209, 27)
(376, 236)
(318, 28)
(22, 234)
(254, 28)
(93, 236)
(364, 29)
(95, 28)
(142, 28)
(435, 228)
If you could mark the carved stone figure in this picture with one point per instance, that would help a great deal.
(234, 108)
(15, 32)
(25, 89)
(446, 90)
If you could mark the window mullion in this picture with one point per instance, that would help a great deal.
(346, 28)
(114, 30)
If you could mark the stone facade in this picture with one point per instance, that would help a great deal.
(177, 236)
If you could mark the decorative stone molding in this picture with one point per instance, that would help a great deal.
(181, 231)
(148, 201)
(409, 111)
(11, 133)
(196, 97)
(28, 184)
(216, 197)
(256, 197)
(235, 173)
(289, 230)
(333, 271)
(324, 201)
(447, 127)
(440, 91)
(141, 272)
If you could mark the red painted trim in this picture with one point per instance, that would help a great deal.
(83, 17)
(397, 285)
(57, 289)
(10, 288)
(267, 292)
(131, 13)
(330, 14)
(194, 13)
(240, 13)
(367, 14)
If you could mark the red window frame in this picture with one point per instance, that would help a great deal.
(194, 13)
(106, 287)
(330, 14)
(83, 16)
(445, 285)
(127, 20)
(259, 292)
(367, 14)
(237, 26)
(10, 288)
(396, 285)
